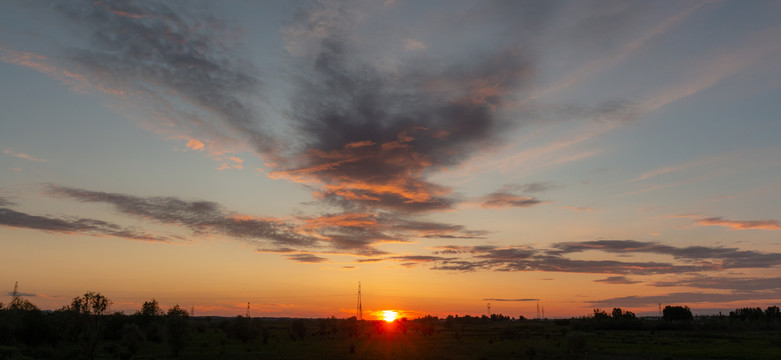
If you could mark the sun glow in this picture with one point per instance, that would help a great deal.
(389, 315)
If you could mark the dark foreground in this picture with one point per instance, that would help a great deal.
(30, 335)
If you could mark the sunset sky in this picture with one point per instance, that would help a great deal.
(446, 154)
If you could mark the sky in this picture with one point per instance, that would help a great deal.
(446, 154)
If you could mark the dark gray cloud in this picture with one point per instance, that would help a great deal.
(717, 257)
(72, 225)
(11, 293)
(738, 284)
(307, 258)
(617, 280)
(687, 259)
(371, 134)
(198, 216)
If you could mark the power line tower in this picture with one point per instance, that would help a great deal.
(247, 310)
(538, 309)
(543, 311)
(359, 307)
(489, 309)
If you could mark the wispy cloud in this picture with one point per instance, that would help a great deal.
(344, 233)
(766, 224)
(307, 258)
(10, 151)
(73, 225)
(740, 224)
(622, 280)
(557, 258)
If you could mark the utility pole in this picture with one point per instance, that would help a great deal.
(359, 307)
(489, 309)
(248, 310)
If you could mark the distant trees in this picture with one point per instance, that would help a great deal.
(677, 313)
(772, 313)
(176, 328)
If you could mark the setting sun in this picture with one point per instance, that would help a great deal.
(389, 315)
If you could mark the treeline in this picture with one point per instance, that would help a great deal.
(76, 330)
(679, 318)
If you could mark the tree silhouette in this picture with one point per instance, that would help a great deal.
(677, 313)
(89, 310)
(19, 303)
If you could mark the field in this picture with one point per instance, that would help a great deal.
(126, 337)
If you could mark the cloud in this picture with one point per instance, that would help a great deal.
(738, 284)
(687, 259)
(537, 187)
(157, 49)
(10, 151)
(617, 280)
(504, 199)
(201, 217)
(73, 225)
(195, 144)
(708, 257)
(352, 233)
(11, 293)
(511, 299)
(307, 258)
(740, 224)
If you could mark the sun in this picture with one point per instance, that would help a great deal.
(389, 315)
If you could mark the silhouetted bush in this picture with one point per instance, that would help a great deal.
(677, 313)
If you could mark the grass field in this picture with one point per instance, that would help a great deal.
(418, 339)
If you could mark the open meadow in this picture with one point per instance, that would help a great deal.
(66, 335)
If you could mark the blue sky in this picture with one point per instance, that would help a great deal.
(606, 153)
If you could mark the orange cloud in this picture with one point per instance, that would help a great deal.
(740, 224)
(195, 144)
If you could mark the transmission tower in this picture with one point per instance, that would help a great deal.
(489, 309)
(247, 310)
(359, 308)
(538, 309)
